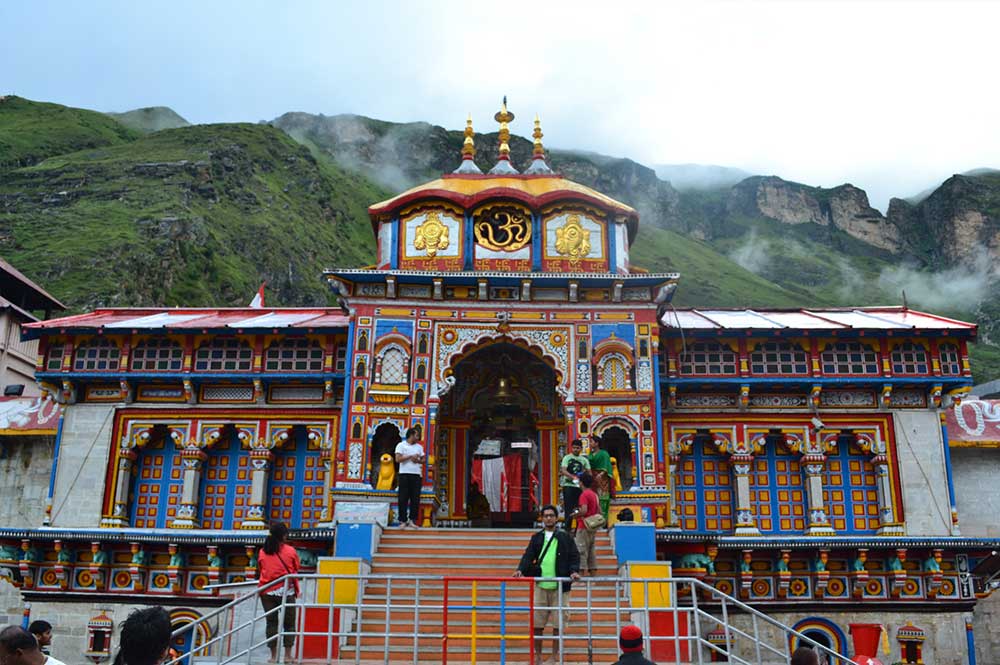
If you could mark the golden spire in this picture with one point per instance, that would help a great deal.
(539, 151)
(538, 165)
(503, 165)
(469, 146)
(468, 164)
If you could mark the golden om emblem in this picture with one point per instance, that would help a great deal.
(432, 235)
(572, 239)
(505, 229)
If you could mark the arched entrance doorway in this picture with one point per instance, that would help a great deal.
(383, 442)
(502, 419)
(617, 442)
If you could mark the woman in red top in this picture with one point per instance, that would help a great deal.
(589, 505)
(275, 560)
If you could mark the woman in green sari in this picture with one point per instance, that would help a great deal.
(600, 467)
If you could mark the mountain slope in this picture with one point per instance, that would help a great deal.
(31, 131)
(150, 119)
(197, 216)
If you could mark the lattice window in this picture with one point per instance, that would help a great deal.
(101, 355)
(54, 357)
(224, 355)
(779, 358)
(849, 358)
(909, 358)
(158, 355)
(158, 484)
(850, 491)
(298, 480)
(703, 358)
(777, 491)
(394, 366)
(225, 485)
(951, 359)
(615, 373)
(294, 355)
(340, 361)
(705, 490)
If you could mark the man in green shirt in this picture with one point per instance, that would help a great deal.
(573, 464)
(550, 553)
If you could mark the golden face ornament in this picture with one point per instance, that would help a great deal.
(432, 235)
(572, 240)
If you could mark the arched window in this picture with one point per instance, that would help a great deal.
(422, 371)
(363, 341)
(951, 359)
(394, 367)
(224, 355)
(294, 355)
(909, 358)
(100, 355)
(419, 396)
(361, 370)
(707, 358)
(356, 431)
(614, 373)
(849, 358)
(779, 358)
(54, 357)
(422, 343)
(158, 355)
(359, 393)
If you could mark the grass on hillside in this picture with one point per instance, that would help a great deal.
(32, 131)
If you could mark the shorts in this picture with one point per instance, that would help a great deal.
(547, 607)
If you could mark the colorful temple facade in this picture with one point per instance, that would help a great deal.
(797, 459)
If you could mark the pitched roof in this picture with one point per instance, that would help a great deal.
(17, 288)
(857, 318)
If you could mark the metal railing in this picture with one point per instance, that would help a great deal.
(424, 618)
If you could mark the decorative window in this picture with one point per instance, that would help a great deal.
(705, 490)
(101, 355)
(359, 393)
(909, 358)
(419, 396)
(849, 358)
(294, 355)
(582, 350)
(225, 486)
(850, 491)
(224, 355)
(951, 359)
(777, 490)
(703, 358)
(422, 344)
(643, 348)
(614, 373)
(298, 481)
(340, 362)
(363, 341)
(393, 366)
(361, 369)
(356, 431)
(779, 358)
(158, 355)
(422, 371)
(157, 486)
(54, 358)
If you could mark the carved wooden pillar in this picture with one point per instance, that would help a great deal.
(260, 465)
(192, 460)
(119, 510)
(819, 521)
(746, 522)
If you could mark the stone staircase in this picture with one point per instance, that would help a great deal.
(404, 554)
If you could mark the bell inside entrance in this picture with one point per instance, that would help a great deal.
(504, 416)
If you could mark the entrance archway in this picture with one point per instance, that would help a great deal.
(383, 441)
(502, 420)
(617, 442)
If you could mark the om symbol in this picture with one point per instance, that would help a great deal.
(506, 229)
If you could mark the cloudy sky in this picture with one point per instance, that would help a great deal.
(892, 96)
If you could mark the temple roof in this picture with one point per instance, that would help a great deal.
(857, 318)
(21, 292)
(234, 319)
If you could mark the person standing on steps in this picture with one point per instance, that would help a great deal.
(584, 535)
(275, 560)
(410, 455)
(600, 467)
(573, 464)
(550, 553)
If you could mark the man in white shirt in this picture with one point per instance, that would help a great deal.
(19, 647)
(410, 456)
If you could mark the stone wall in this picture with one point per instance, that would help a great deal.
(975, 472)
(920, 451)
(82, 465)
(25, 467)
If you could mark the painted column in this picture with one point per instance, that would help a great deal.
(119, 512)
(955, 531)
(192, 460)
(260, 465)
(746, 523)
(970, 639)
(673, 519)
(326, 459)
(819, 522)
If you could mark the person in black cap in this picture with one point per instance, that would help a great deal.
(630, 641)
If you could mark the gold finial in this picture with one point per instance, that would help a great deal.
(468, 146)
(503, 117)
(539, 151)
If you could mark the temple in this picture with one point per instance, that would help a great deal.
(796, 459)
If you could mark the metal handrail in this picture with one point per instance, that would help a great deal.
(235, 642)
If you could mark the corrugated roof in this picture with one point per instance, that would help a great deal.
(42, 299)
(242, 318)
(860, 318)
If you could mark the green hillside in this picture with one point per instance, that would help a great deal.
(150, 119)
(195, 216)
(32, 131)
